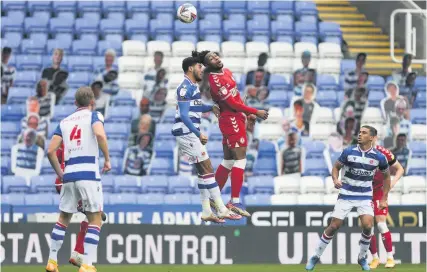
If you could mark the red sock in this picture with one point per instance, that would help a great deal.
(373, 245)
(236, 181)
(81, 237)
(221, 176)
(387, 241)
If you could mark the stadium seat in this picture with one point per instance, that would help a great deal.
(61, 25)
(117, 147)
(38, 199)
(110, 26)
(62, 111)
(281, 7)
(124, 98)
(210, 25)
(161, 166)
(13, 24)
(418, 116)
(29, 46)
(10, 130)
(126, 184)
(372, 115)
(418, 149)
(177, 199)
(29, 62)
(6, 146)
(43, 184)
(413, 199)
(418, 132)
(329, 50)
(12, 113)
(151, 199)
(305, 8)
(18, 95)
(277, 99)
(15, 184)
(212, 148)
(312, 184)
(270, 132)
(414, 184)
(330, 199)
(234, 7)
(327, 99)
(258, 7)
(179, 185)
(117, 131)
(300, 47)
(209, 7)
(129, 80)
(107, 183)
(257, 200)
(137, 26)
(266, 149)
(154, 184)
(12, 199)
(153, 46)
(139, 37)
(77, 79)
(84, 47)
(326, 82)
(168, 116)
(235, 25)
(305, 29)
(375, 83)
(232, 49)
(46, 168)
(91, 6)
(119, 114)
(253, 49)
(25, 79)
(113, 6)
(12, 40)
(265, 166)
(314, 149)
(162, 7)
(163, 132)
(259, 26)
(137, 7)
(261, 185)
(329, 29)
(80, 63)
(182, 49)
(417, 166)
(283, 199)
(33, 24)
(315, 167)
(123, 198)
(375, 97)
(86, 25)
(282, 28)
(134, 48)
(164, 149)
(310, 199)
(347, 65)
(158, 26)
(215, 133)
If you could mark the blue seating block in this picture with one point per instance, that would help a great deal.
(119, 114)
(13, 199)
(151, 199)
(126, 184)
(282, 7)
(78, 79)
(123, 199)
(180, 184)
(418, 116)
(133, 7)
(80, 64)
(12, 113)
(15, 184)
(107, 183)
(19, 95)
(261, 185)
(43, 184)
(164, 149)
(177, 199)
(154, 184)
(265, 166)
(314, 149)
(257, 200)
(161, 166)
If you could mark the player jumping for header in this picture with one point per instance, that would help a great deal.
(232, 122)
(359, 163)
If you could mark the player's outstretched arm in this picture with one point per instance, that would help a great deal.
(55, 143)
(184, 110)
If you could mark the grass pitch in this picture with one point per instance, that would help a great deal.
(219, 268)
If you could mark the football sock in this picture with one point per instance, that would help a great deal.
(221, 174)
(237, 174)
(204, 197)
(91, 243)
(365, 241)
(323, 243)
(57, 238)
(214, 192)
(386, 237)
(373, 246)
(81, 237)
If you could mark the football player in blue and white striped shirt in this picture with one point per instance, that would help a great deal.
(82, 134)
(358, 164)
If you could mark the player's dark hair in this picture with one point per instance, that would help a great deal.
(372, 131)
(158, 53)
(200, 56)
(189, 62)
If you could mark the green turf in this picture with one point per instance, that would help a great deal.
(218, 268)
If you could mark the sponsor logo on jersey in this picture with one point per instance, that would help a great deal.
(242, 140)
(361, 172)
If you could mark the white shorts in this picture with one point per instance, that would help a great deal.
(344, 206)
(88, 191)
(191, 146)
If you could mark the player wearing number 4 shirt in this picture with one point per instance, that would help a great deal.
(232, 123)
(381, 214)
(82, 135)
(359, 165)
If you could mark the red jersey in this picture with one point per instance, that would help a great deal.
(379, 177)
(224, 92)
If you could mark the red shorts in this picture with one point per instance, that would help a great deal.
(58, 185)
(233, 130)
(377, 195)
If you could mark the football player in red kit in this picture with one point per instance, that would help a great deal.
(381, 214)
(76, 258)
(233, 118)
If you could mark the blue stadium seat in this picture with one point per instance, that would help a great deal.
(259, 25)
(124, 98)
(309, 19)
(158, 27)
(182, 29)
(209, 7)
(69, 98)
(420, 82)
(213, 150)
(64, 6)
(133, 7)
(15, 184)
(84, 47)
(257, 200)
(12, 40)
(420, 100)
(43, 184)
(164, 149)
(305, 29)
(210, 25)
(375, 83)
(19, 95)
(164, 37)
(417, 167)
(107, 183)
(195, 199)
(234, 7)
(305, 8)
(315, 167)
(213, 38)
(35, 24)
(285, 38)
(62, 111)
(282, 28)
(116, 165)
(375, 97)
(150, 199)
(178, 199)
(261, 185)
(46, 168)
(418, 116)
(29, 46)
(329, 29)
(326, 82)
(88, 6)
(105, 45)
(154, 184)
(121, 199)
(266, 149)
(215, 133)
(51, 129)
(277, 99)
(119, 114)
(12, 113)
(261, 38)
(98, 63)
(5, 164)
(327, 99)
(12, 199)
(282, 7)
(13, 5)
(61, 25)
(110, 26)
(114, 37)
(117, 16)
(309, 39)
(163, 132)
(66, 15)
(86, 25)
(332, 39)
(39, 199)
(161, 166)
(179, 185)
(117, 147)
(126, 184)
(227, 189)
(10, 130)
(347, 65)
(113, 6)
(137, 26)
(234, 26)
(12, 24)
(162, 7)
(277, 82)
(265, 166)
(169, 116)
(258, 7)
(78, 79)
(6, 146)
(314, 149)
(26, 78)
(63, 43)
(117, 131)
(39, 5)
(77, 63)
(418, 149)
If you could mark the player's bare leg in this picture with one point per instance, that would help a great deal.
(387, 241)
(223, 171)
(367, 222)
(209, 190)
(91, 241)
(57, 238)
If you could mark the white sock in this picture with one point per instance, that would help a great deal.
(390, 255)
(323, 243)
(364, 243)
(57, 238)
(235, 200)
(91, 243)
(214, 192)
(204, 197)
(375, 256)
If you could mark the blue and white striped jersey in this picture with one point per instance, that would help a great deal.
(188, 91)
(81, 149)
(358, 172)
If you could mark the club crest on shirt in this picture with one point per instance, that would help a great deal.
(223, 90)
(182, 92)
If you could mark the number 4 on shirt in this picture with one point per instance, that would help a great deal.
(76, 134)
